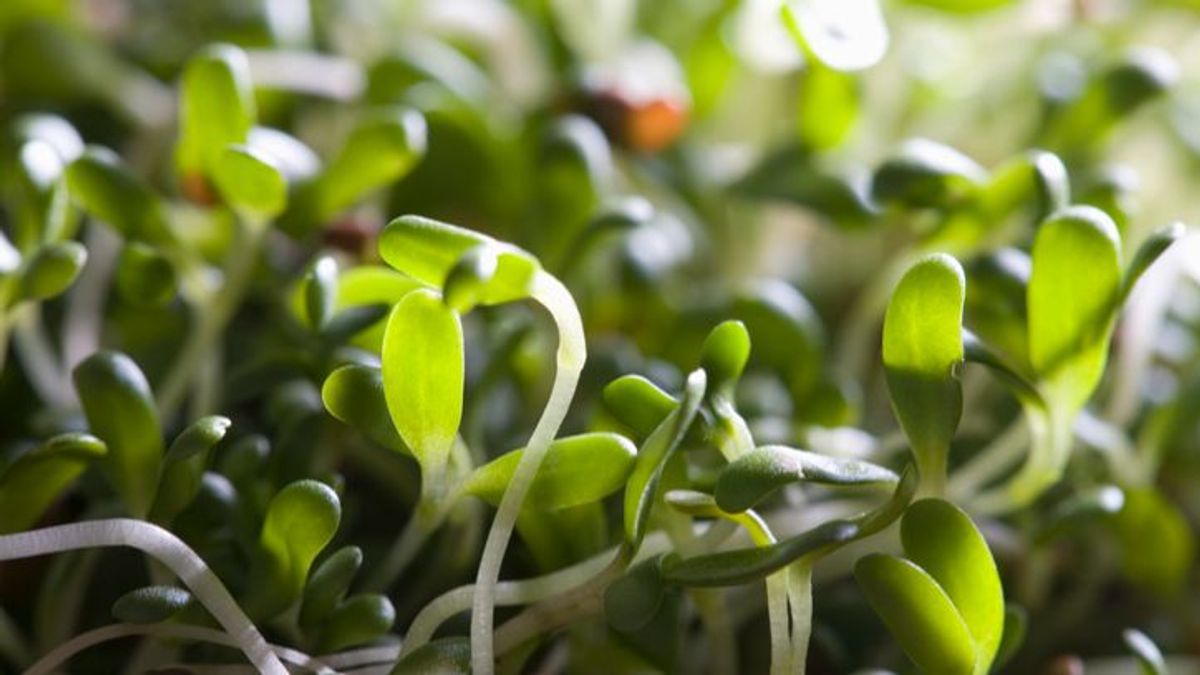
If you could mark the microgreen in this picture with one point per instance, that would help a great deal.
(597, 337)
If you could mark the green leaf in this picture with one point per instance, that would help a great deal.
(1149, 657)
(974, 351)
(743, 565)
(1072, 296)
(250, 182)
(364, 285)
(724, 354)
(638, 403)
(924, 174)
(354, 394)
(468, 281)
(101, 184)
(445, 656)
(34, 480)
(427, 250)
(216, 108)
(1150, 250)
(145, 277)
(576, 470)
(357, 621)
(641, 491)
(320, 292)
(52, 270)
(382, 149)
(943, 541)
(1085, 505)
(1157, 548)
(1036, 177)
(755, 475)
(120, 410)
(632, 600)
(922, 348)
(301, 519)
(328, 584)
(423, 374)
(918, 613)
(151, 604)
(829, 106)
(184, 465)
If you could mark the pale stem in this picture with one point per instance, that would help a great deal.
(799, 584)
(571, 354)
(167, 548)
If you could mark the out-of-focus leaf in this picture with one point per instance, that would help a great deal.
(249, 181)
(924, 174)
(829, 103)
(1150, 250)
(120, 410)
(144, 276)
(216, 108)
(1149, 657)
(1157, 548)
(31, 483)
(383, 147)
(52, 270)
(100, 183)
(151, 604)
(631, 601)
(842, 34)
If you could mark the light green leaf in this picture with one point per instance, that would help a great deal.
(844, 35)
(120, 410)
(382, 149)
(962, 6)
(301, 519)
(918, 613)
(216, 108)
(724, 354)
(34, 480)
(829, 106)
(250, 182)
(922, 348)
(423, 373)
(427, 250)
(638, 403)
(1150, 250)
(641, 492)
(1072, 296)
(354, 394)
(943, 541)
(577, 470)
(101, 184)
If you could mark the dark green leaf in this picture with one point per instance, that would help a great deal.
(301, 519)
(576, 470)
(120, 410)
(445, 656)
(328, 584)
(631, 601)
(151, 604)
(359, 620)
(924, 174)
(184, 465)
(1157, 549)
(354, 394)
(145, 276)
(52, 270)
(320, 292)
(739, 566)
(1016, 624)
(752, 477)
(34, 480)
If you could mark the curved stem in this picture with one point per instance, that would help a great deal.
(799, 589)
(212, 320)
(61, 654)
(172, 552)
(572, 352)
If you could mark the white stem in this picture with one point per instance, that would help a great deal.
(572, 352)
(52, 660)
(168, 549)
(363, 657)
(800, 602)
